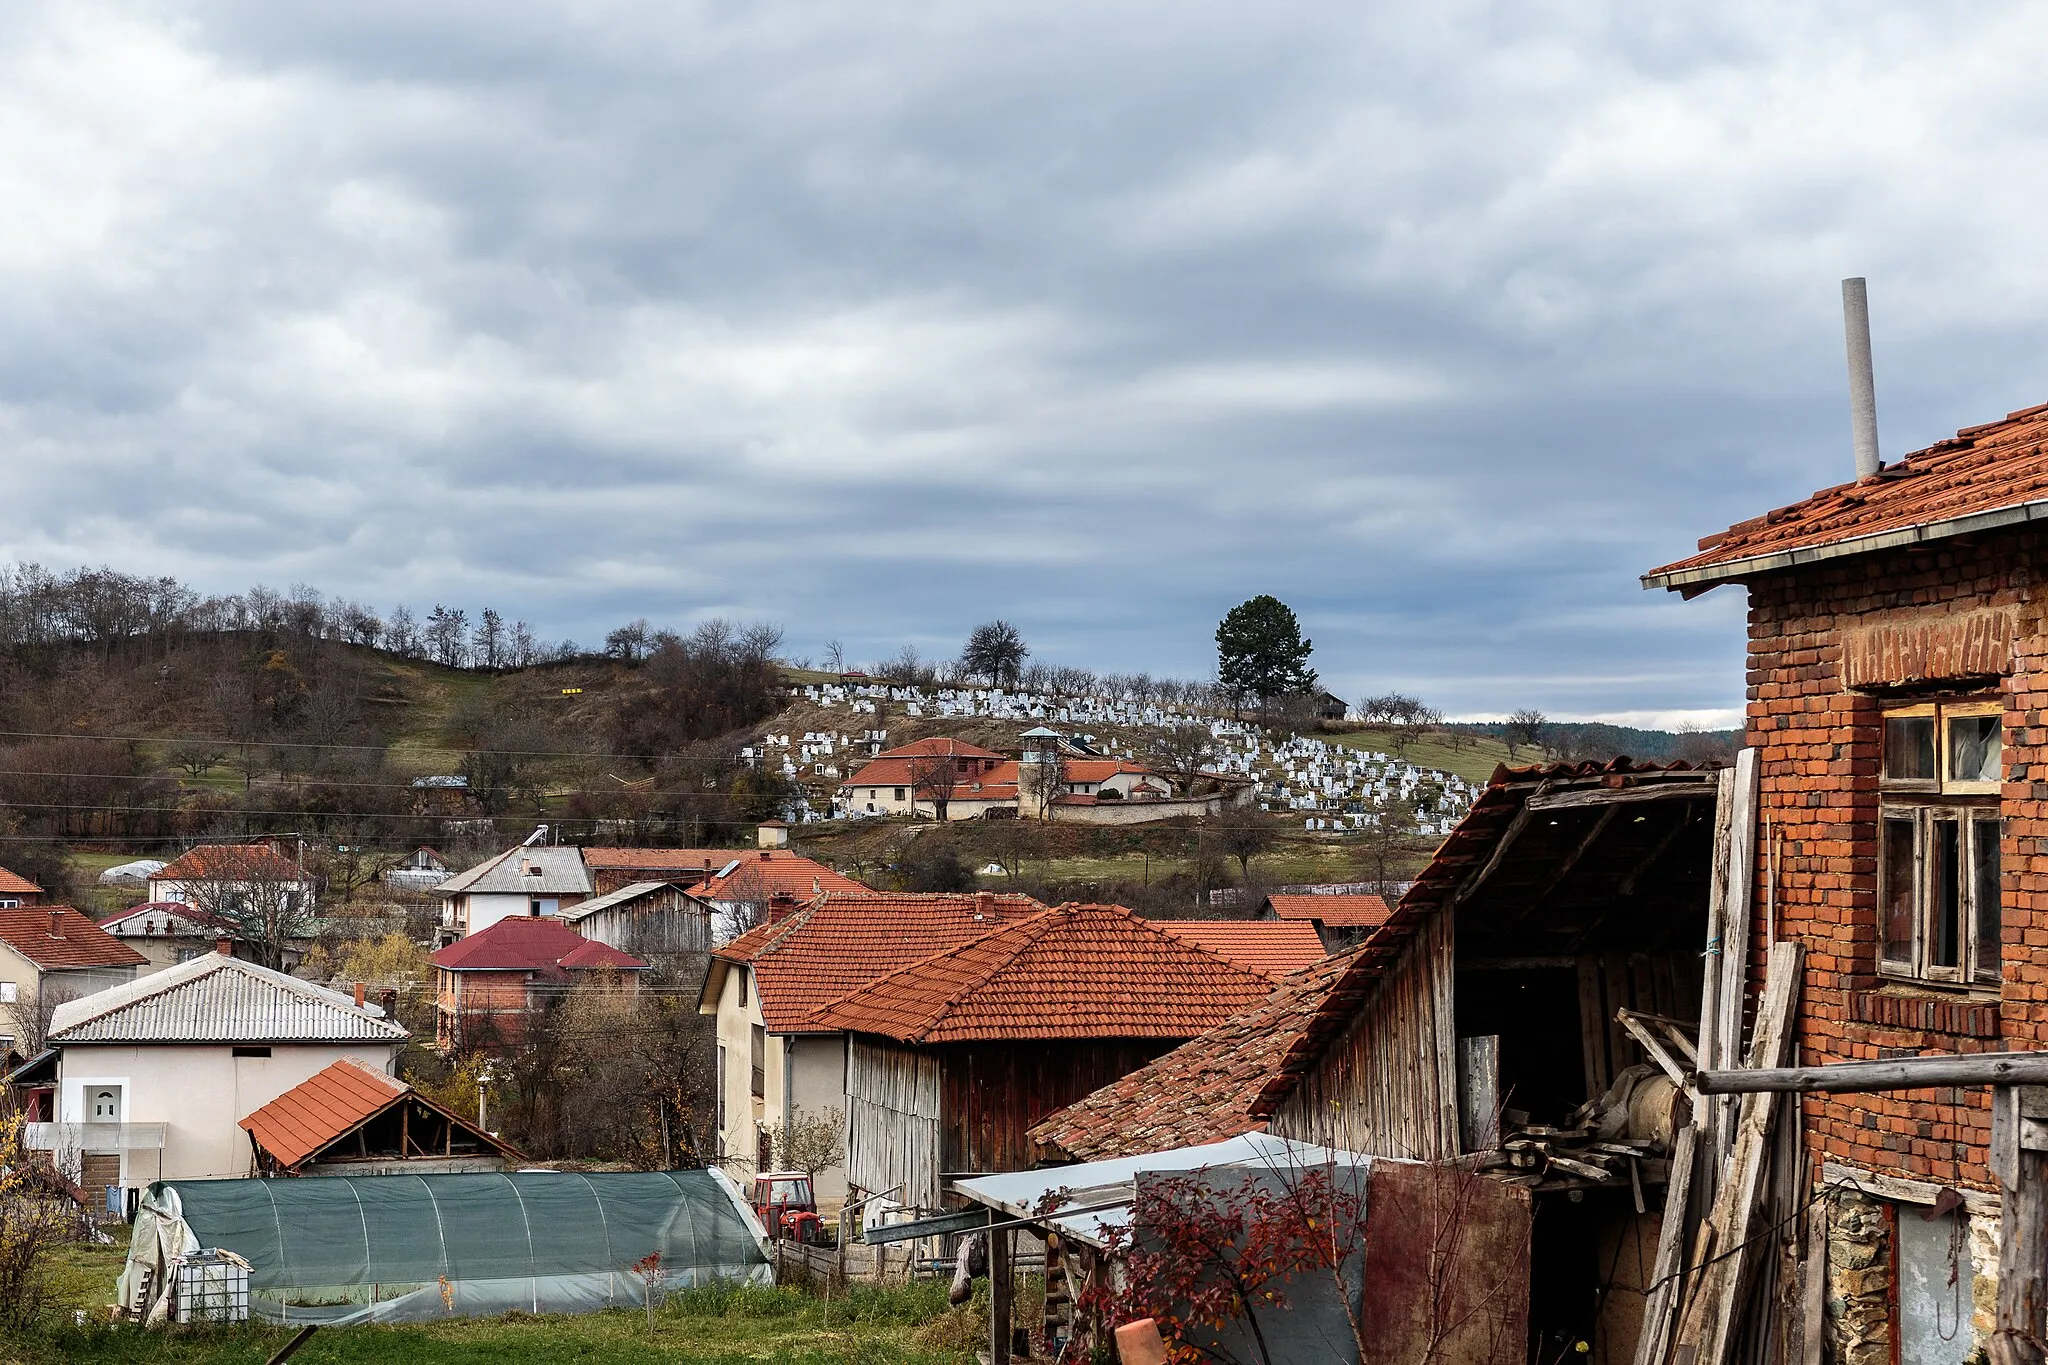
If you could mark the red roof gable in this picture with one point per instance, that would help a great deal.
(1202, 1091)
(937, 746)
(1273, 947)
(13, 885)
(230, 862)
(56, 936)
(846, 940)
(1077, 971)
(775, 874)
(1986, 476)
(665, 859)
(334, 1102)
(530, 943)
(1339, 912)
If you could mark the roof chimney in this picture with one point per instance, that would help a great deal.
(1862, 384)
(359, 995)
(984, 905)
(56, 924)
(224, 946)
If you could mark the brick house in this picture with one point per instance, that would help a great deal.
(489, 984)
(1896, 692)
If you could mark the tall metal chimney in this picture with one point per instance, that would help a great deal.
(1862, 385)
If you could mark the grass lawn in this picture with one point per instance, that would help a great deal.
(895, 1326)
(1472, 757)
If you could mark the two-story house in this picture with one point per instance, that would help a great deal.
(490, 983)
(1898, 633)
(520, 883)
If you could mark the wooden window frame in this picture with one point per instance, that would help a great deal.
(1930, 805)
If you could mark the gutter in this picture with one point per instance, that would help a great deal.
(1708, 576)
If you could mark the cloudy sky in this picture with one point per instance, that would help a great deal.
(1440, 322)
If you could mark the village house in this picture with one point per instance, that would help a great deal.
(764, 986)
(613, 868)
(1271, 948)
(207, 875)
(354, 1119)
(17, 890)
(767, 883)
(165, 933)
(529, 881)
(1340, 920)
(951, 1060)
(489, 983)
(949, 779)
(1896, 686)
(50, 954)
(148, 1080)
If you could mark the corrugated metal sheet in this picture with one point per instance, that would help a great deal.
(219, 999)
(561, 873)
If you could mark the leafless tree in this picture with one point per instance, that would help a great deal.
(811, 1142)
(935, 778)
(1243, 835)
(197, 757)
(27, 1020)
(1523, 729)
(1043, 780)
(1182, 752)
(256, 897)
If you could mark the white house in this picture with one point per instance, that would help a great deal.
(206, 874)
(151, 1078)
(528, 880)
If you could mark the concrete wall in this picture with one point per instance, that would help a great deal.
(818, 1084)
(199, 1091)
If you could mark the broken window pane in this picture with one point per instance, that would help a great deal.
(1973, 750)
(1944, 947)
(1909, 747)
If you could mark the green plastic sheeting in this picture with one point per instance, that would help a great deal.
(412, 1248)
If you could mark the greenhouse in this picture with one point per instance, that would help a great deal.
(411, 1248)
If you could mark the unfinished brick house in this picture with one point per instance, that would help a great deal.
(1896, 691)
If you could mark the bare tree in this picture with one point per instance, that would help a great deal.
(256, 897)
(996, 651)
(1182, 752)
(27, 1020)
(1243, 835)
(1042, 780)
(935, 778)
(835, 657)
(1523, 729)
(447, 635)
(487, 645)
(196, 757)
(810, 1142)
(525, 648)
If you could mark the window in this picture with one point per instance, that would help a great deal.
(10, 993)
(10, 902)
(252, 1052)
(899, 793)
(760, 1062)
(740, 985)
(720, 1134)
(1938, 843)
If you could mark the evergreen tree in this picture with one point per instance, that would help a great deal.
(1260, 652)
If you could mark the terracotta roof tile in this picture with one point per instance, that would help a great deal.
(332, 1103)
(1273, 947)
(1339, 912)
(661, 859)
(14, 885)
(233, 862)
(1076, 971)
(1202, 1091)
(530, 943)
(1998, 465)
(845, 940)
(56, 936)
(760, 876)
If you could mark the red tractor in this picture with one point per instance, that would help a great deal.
(784, 1204)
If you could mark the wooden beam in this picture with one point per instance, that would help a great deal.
(1902, 1073)
(1652, 1044)
(1571, 860)
(1001, 1288)
(1627, 885)
(1618, 796)
(1500, 851)
(1981, 1203)
(1658, 1309)
(2023, 1229)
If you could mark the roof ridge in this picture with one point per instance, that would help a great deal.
(974, 942)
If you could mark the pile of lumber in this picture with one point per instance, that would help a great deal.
(1572, 1155)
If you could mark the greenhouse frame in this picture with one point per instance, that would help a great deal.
(414, 1248)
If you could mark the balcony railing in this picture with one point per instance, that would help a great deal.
(95, 1137)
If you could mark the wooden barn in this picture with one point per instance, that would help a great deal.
(952, 1059)
(651, 920)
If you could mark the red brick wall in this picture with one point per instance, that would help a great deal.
(1904, 617)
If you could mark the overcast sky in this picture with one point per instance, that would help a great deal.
(1440, 322)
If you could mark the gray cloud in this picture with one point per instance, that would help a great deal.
(1441, 323)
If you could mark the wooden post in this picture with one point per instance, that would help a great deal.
(1000, 1290)
(2019, 1135)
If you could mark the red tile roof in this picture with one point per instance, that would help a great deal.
(775, 873)
(1076, 971)
(14, 885)
(1274, 947)
(844, 941)
(229, 862)
(56, 936)
(1202, 1091)
(334, 1102)
(668, 859)
(1986, 476)
(530, 943)
(1339, 912)
(935, 746)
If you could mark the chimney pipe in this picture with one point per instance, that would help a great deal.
(984, 905)
(1862, 384)
(56, 924)
(224, 946)
(359, 995)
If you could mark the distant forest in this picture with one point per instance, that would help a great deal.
(1580, 740)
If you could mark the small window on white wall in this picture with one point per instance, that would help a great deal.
(9, 993)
